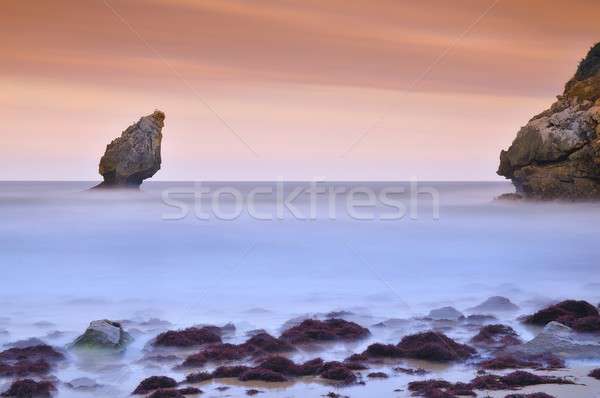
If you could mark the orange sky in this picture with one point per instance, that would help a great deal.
(440, 86)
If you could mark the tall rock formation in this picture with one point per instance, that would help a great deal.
(557, 154)
(135, 155)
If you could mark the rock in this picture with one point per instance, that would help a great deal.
(225, 330)
(103, 334)
(338, 372)
(154, 383)
(446, 389)
(216, 353)
(439, 389)
(595, 374)
(510, 197)
(256, 346)
(266, 343)
(198, 377)
(254, 332)
(32, 353)
(332, 394)
(189, 337)
(311, 367)
(28, 388)
(190, 391)
(378, 350)
(520, 361)
(410, 371)
(562, 341)
(434, 346)
(260, 374)
(135, 155)
(83, 384)
(557, 154)
(288, 368)
(445, 314)
(330, 330)
(496, 336)
(174, 393)
(494, 304)
(377, 375)
(223, 372)
(579, 315)
(281, 365)
(395, 323)
(513, 380)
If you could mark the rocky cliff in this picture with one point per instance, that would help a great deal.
(557, 154)
(135, 155)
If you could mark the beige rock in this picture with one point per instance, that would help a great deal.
(557, 154)
(135, 155)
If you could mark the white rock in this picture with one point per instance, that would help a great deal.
(561, 340)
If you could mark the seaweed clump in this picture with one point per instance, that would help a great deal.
(496, 336)
(174, 393)
(154, 383)
(258, 345)
(579, 315)
(515, 379)
(434, 346)
(188, 337)
(446, 389)
(28, 388)
(595, 374)
(330, 330)
(545, 361)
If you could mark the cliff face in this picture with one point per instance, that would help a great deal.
(135, 155)
(557, 154)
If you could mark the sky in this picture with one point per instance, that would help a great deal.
(287, 89)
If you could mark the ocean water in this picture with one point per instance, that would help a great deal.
(70, 256)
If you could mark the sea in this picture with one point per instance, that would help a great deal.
(259, 254)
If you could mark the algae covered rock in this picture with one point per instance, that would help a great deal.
(103, 334)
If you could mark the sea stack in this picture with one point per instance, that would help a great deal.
(557, 154)
(135, 155)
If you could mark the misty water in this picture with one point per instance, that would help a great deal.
(70, 256)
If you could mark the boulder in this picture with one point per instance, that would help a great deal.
(83, 384)
(135, 155)
(496, 336)
(557, 154)
(562, 341)
(189, 337)
(330, 330)
(28, 388)
(103, 334)
(495, 304)
(154, 383)
(577, 314)
(434, 346)
(445, 314)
